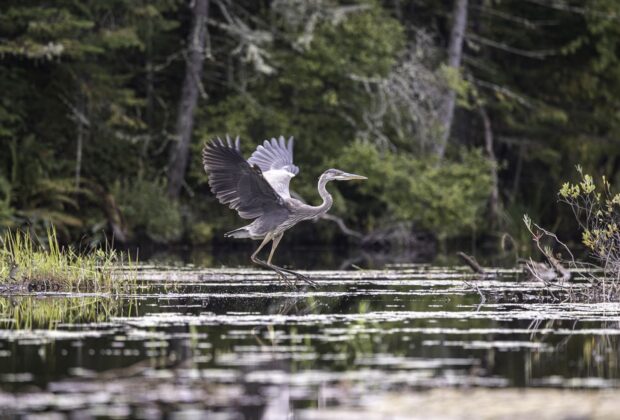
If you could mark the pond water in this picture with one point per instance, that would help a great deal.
(236, 343)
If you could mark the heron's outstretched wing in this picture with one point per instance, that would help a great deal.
(236, 183)
(275, 158)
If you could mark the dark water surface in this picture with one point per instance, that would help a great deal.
(237, 343)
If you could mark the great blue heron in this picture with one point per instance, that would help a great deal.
(258, 188)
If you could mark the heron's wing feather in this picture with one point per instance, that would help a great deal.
(275, 158)
(275, 154)
(236, 183)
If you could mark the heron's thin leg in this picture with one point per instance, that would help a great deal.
(274, 245)
(262, 244)
(273, 267)
(262, 263)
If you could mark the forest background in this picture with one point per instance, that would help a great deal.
(463, 114)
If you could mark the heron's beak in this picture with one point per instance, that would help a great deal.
(346, 176)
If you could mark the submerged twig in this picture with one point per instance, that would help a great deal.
(475, 287)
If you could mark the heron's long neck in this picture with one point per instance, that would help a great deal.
(326, 196)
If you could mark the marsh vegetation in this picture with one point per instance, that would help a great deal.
(34, 264)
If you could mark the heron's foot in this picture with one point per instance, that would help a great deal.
(283, 277)
(282, 273)
(298, 276)
(305, 278)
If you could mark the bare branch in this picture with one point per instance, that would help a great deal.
(406, 102)
(566, 7)
(342, 226)
(528, 23)
(506, 91)
(539, 55)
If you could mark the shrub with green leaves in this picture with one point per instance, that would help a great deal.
(147, 210)
(597, 210)
(447, 197)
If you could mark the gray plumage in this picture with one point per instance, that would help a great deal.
(236, 183)
(259, 189)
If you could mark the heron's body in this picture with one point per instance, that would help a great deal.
(259, 189)
(278, 222)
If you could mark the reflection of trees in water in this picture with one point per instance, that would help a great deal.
(314, 257)
(562, 355)
(596, 354)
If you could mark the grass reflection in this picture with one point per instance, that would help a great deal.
(47, 312)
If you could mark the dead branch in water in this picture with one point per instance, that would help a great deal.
(561, 273)
(478, 269)
(472, 263)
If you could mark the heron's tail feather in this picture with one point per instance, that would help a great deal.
(238, 233)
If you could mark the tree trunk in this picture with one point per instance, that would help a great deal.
(79, 147)
(150, 94)
(517, 177)
(455, 53)
(189, 97)
(488, 140)
(80, 112)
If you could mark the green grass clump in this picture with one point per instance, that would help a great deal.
(43, 265)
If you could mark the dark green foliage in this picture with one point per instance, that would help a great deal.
(90, 93)
(6, 212)
(448, 198)
(148, 211)
(553, 93)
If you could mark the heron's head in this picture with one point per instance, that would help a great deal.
(338, 175)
